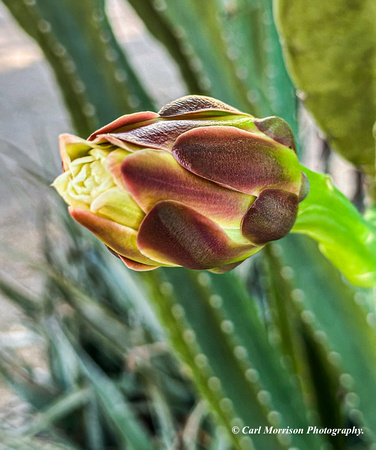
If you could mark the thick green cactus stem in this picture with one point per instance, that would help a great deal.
(183, 338)
(342, 319)
(76, 99)
(301, 340)
(239, 37)
(151, 12)
(227, 309)
(253, 42)
(370, 178)
(98, 60)
(212, 322)
(344, 236)
(203, 43)
(335, 76)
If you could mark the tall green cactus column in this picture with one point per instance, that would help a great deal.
(97, 82)
(213, 324)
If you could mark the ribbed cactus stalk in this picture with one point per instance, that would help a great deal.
(199, 185)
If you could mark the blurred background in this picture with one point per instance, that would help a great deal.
(78, 332)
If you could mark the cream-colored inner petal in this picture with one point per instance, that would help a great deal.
(88, 185)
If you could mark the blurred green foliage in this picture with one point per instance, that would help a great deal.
(176, 358)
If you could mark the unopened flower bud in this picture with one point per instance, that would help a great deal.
(200, 185)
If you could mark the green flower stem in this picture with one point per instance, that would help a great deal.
(345, 237)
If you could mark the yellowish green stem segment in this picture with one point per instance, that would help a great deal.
(345, 237)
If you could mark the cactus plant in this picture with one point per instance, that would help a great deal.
(98, 60)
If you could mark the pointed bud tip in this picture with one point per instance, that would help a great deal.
(123, 123)
(277, 129)
(271, 216)
(193, 104)
(305, 188)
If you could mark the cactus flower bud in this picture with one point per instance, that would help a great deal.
(199, 185)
